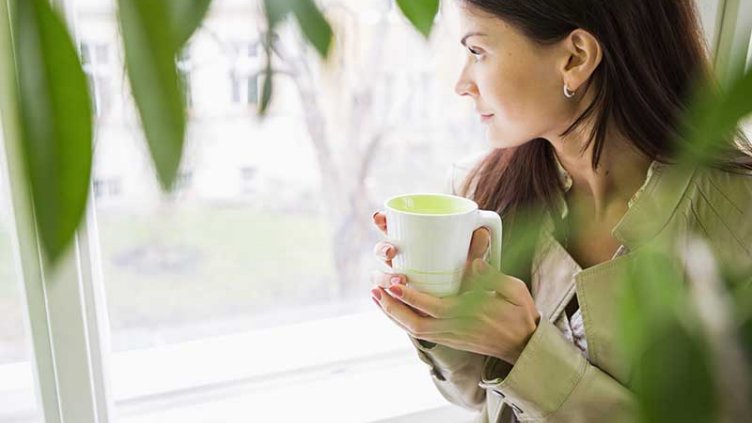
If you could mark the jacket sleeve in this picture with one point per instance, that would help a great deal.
(553, 382)
(455, 373)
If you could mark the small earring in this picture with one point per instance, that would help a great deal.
(567, 93)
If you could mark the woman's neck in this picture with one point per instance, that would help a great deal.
(620, 173)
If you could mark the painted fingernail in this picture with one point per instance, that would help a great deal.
(376, 293)
(385, 251)
(396, 290)
(396, 280)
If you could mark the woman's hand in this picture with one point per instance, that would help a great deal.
(494, 315)
(479, 244)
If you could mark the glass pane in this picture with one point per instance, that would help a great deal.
(254, 274)
(18, 402)
(709, 14)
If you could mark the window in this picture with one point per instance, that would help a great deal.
(244, 76)
(95, 58)
(184, 72)
(215, 289)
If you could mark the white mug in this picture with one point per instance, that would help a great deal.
(432, 234)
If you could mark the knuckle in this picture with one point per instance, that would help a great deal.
(517, 286)
(384, 250)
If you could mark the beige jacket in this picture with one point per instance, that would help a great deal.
(553, 381)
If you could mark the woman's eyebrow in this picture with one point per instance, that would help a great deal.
(464, 39)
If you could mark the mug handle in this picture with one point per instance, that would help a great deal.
(492, 221)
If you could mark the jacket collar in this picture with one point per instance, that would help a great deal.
(656, 205)
(649, 210)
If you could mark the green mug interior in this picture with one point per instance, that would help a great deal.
(431, 204)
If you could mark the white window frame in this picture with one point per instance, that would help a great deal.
(66, 309)
(65, 303)
(733, 32)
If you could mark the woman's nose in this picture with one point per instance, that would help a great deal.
(465, 87)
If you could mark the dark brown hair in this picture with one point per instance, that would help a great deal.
(654, 55)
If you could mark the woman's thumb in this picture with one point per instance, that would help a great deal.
(479, 244)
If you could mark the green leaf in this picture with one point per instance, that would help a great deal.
(714, 116)
(185, 18)
(276, 11)
(312, 22)
(314, 25)
(266, 93)
(673, 380)
(150, 61)
(56, 122)
(652, 294)
(672, 376)
(420, 13)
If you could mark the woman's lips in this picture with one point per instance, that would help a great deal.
(486, 117)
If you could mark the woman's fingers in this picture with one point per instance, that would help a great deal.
(379, 219)
(418, 301)
(377, 294)
(385, 250)
(406, 318)
(479, 244)
(485, 278)
(385, 280)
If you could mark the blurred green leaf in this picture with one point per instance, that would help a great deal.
(56, 122)
(740, 286)
(312, 22)
(276, 11)
(524, 229)
(652, 295)
(673, 379)
(420, 13)
(150, 60)
(314, 25)
(266, 93)
(714, 116)
(185, 17)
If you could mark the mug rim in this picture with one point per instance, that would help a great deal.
(433, 194)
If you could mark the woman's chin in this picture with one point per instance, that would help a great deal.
(496, 140)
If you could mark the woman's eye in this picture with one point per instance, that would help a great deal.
(475, 52)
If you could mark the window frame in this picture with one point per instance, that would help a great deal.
(65, 313)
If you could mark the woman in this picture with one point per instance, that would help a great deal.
(582, 102)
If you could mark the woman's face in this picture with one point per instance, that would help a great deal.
(515, 83)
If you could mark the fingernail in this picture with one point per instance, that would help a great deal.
(396, 290)
(376, 302)
(385, 250)
(376, 293)
(396, 280)
(373, 216)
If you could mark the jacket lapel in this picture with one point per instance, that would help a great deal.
(552, 278)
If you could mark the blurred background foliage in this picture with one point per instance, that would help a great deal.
(670, 330)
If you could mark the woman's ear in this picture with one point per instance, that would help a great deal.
(582, 55)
